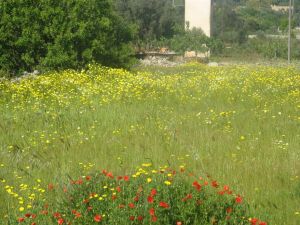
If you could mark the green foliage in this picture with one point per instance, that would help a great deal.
(155, 19)
(227, 26)
(58, 125)
(261, 18)
(4, 74)
(189, 40)
(216, 46)
(59, 34)
(234, 20)
(263, 47)
(275, 48)
(166, 196)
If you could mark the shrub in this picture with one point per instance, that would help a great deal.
(58, 34)
(190, 40)
(149, 196)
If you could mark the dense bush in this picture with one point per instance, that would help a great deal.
(61, 34)
(189, 40)
(149, 196)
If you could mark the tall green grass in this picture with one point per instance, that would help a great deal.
(240, 125)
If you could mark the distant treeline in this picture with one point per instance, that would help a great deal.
(59, 34)
(159, 24)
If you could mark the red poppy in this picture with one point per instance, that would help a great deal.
(238, 199)
(229, 210)
(254, 221)
(189, 196)
(33, 223)
(214, 184)
(164, 205)
(153, 192)
(56, 215)
(118, 189)
(131, 205)
(113, 197)
(104, 172)
(136, 198)
(60, 221)
(50, 187)
(77, 215)
(27, 215)
(126, 178)
(140, 218)
(262, 223)
(20, 220)
(152, 212)
(97, 218)
(153, 218)
(119, 177)
(226, 188)
(88, 177)
(33, 216)
(80, 181)
(110, 175)
(132, 218)
(179, 223)
(197, 185)
(150, 199)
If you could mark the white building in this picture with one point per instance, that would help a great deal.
(198, 15)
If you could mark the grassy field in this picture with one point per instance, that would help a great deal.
(239, 124)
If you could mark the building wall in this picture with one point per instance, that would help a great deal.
(198, 14)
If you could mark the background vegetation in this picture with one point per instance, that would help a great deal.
(54, 34)
(160, 24)
(49, 35)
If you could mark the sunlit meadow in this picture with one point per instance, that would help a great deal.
(237, 126)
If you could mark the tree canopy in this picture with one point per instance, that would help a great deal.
(153, 18)
(62, 34)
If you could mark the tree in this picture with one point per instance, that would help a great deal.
(57, 34)
(227, 25)
(154, 19)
